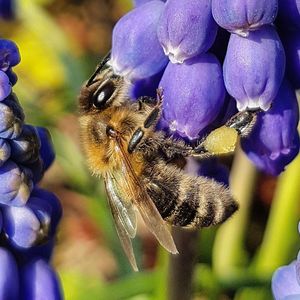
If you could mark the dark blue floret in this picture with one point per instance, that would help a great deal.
(7, 9)
(39, 281)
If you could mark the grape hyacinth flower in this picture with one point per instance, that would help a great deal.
(191, 78)
(274, 142)
(186, 29)
(130, 57)
(242, 16)
(191, 105)
(28, 215)
(286, 280)
(254, 68)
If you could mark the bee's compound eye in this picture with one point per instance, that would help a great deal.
(103, 94)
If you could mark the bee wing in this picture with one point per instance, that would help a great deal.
(143, 202)
(124, 217)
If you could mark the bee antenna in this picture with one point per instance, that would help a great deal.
(99, 68)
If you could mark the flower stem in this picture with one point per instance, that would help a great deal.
(181, 266)
(229, 254)
(281, 237)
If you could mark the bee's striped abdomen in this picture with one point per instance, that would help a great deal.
(188, 201)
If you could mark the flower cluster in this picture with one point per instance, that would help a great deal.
(213, 58)
(29, 215)
(286, 280)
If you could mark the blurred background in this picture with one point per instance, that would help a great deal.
(61, 41)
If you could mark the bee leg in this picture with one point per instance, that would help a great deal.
(151, 120)
(243, 122)
(138, 134)
(145, 100)
(223, 139)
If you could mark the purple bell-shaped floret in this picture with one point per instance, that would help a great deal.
(193, 95)
(136, 52)
(254, 68)
(242, 16)
(186, 29)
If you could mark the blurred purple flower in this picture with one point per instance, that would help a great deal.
(285, 285)
(47, 152)
(286, 280)
(7, 9)
(33, 223)
(9, 54)
(136, 52)
(39, 281)
(193, 95)
(4, 151)
(186, 29)
(10, 119)
(254, 68)
(274, 142)
(9, 276)
(13, 78)
(5, 86)
(15, 185)
(240, 16)
(25, 148)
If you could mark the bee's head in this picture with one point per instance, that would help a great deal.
(104, 89)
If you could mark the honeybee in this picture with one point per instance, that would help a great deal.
(137, 162)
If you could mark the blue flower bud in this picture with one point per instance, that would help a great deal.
(193, 95)
(274, 141)
(53, 202)
(289, 14)
(4, 151)
(39, 281)
(47, 152)
(9, 54)
(186, 29)
(15, 186)
(136, 51)
(9, 276)
(36, 170)
(240, 16)
(5, 87)
(13, 78)
(291, 43)
(13, 102)
(25, 148)
(33, 223)
(284, 282)
(43, 251)
(254, 68)
(11, 118)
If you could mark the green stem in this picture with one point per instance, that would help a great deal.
(281, 237)
(229, 254)
(181, 266)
